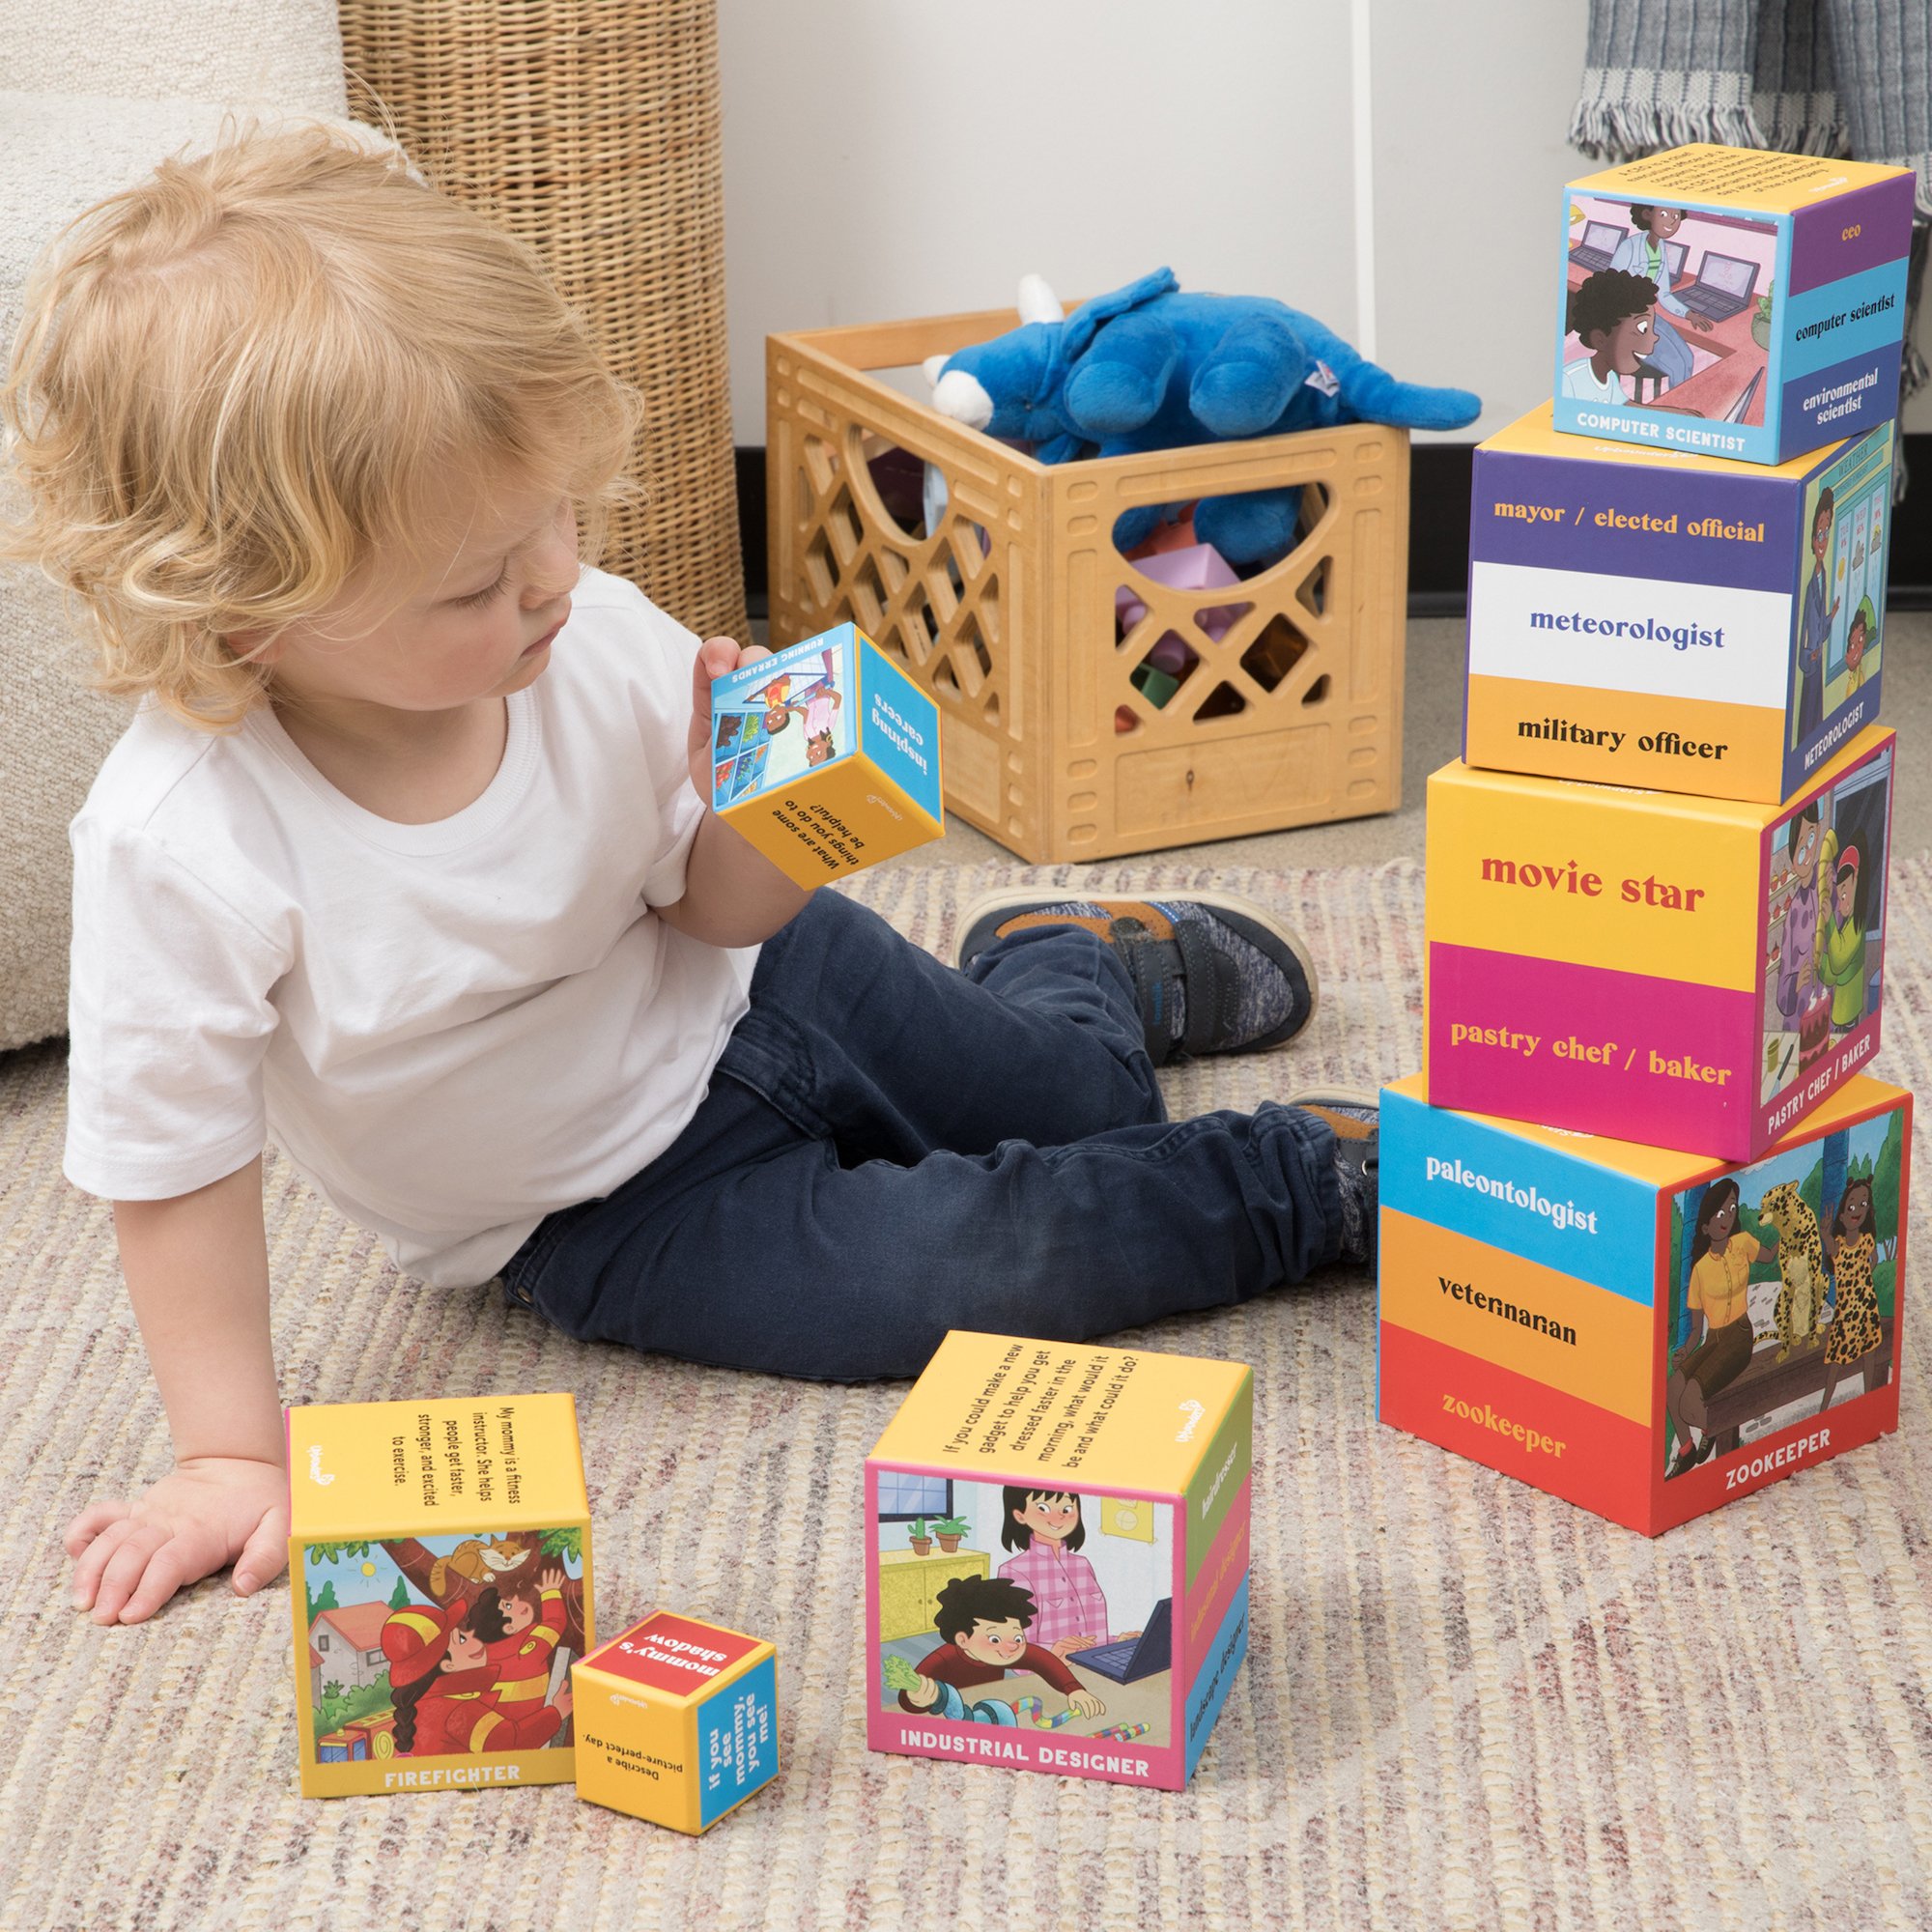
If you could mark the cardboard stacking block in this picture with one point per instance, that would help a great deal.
(440, 1565)
(1685, 972)
(1641, 1332)
(677, 1722)
(1086, 1608)
(1672, 621)
(1730, 302)
(826, 757)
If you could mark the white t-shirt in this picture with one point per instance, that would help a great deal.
(452, 1029)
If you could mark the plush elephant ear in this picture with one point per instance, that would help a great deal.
(1076, 337)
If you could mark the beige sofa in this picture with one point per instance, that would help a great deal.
(97, 92)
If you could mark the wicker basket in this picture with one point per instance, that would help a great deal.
(591, 130)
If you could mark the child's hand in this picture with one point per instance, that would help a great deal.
(210, 1512)
(1084, 1703)
(715, 658)
(550, 1577)
(564, 1700)
(1068, 1645)
(925, 1692)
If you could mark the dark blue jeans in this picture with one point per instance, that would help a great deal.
(891, 1149)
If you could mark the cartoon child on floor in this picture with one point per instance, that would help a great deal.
(982, 1620)
(1841, 960)
(444, 1687)
(1044, 1526)
(1814, 629)
(1613, 315)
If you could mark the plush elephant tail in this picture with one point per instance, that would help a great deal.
(1373, 394)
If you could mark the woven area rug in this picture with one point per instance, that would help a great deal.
(1467, 1704)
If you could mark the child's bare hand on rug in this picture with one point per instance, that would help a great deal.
(197, 1270)
(130, 1558)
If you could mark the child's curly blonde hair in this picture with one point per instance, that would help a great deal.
(236, 379)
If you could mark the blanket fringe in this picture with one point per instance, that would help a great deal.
(1802, 123)
(1607, 128)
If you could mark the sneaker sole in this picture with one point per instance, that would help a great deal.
(1249, 909)
(1334, 1097)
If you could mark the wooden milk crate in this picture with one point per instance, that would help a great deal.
(1005, 612)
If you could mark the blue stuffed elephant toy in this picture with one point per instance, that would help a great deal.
(1148, 367)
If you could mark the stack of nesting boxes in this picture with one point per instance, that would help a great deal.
(1643, 1213)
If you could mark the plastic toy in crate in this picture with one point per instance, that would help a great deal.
(679, 1722)
(1065, 735)
(826, 757)
(1725, 301)
(440, 1554)
(1684, 972)
(1644, 1333)
(1090, 1592)
(1673, 621)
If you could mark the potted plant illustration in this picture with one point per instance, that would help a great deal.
(950, 1531)
(1761, 320)
(919, 1539)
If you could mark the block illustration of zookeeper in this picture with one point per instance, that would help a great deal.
(1719, 1349)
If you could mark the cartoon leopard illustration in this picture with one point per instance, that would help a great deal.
(1801, 1264)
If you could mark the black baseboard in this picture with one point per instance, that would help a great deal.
(751, 526)
(1438, 529)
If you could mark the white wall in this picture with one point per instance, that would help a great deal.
(1087, 139)
(894, 158)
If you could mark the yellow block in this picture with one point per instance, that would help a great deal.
(459, 1462)
(466, 1471)
(1092, 1417)
(832, 821)
(1763, 183)
(1535, 435)
(677, 1721)
(1550, 1327)
(1596, 875)
(1750, 733)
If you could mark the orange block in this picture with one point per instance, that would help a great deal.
(1545, 1326)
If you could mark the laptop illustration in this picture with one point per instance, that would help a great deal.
(1723, 287)
(1135, 1657)
(1598, 243)
(1675, 253)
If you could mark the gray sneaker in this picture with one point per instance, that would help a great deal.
(1356, 1117)
(1214, 973)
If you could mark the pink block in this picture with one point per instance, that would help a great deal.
(1198, 567)
(1593, 1006)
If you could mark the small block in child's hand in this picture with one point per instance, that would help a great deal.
(901, 1675)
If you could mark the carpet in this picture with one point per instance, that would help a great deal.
(1466, 1705)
